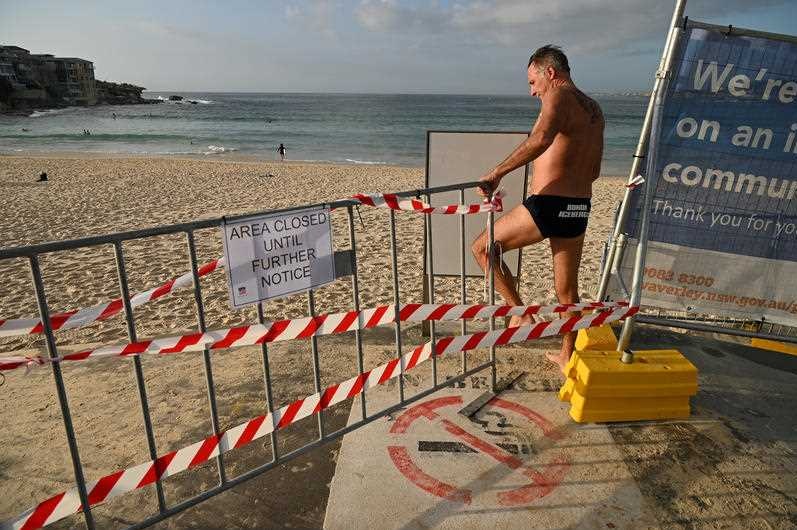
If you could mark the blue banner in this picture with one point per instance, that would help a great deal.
(725, 168)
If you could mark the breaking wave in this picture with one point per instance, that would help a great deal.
(218, 149)
(51, 112)
(366, 162)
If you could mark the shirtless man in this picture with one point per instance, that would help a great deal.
(566, 145)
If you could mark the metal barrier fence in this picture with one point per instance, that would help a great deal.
(32, 254)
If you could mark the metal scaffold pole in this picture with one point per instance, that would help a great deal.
(654, 107)
(618, 239)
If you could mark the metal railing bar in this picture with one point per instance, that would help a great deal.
(741, 32)
(661, 321)
(121, 273)
(53, 246)
(398, 406)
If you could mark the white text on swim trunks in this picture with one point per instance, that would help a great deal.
(575, 211)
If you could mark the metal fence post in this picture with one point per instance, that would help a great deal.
(200, 316)
(430, 277)
(355, 287)
(139, 371)
(396, 303)
(316, 364)
(491, 260)
(267, 383)
(463, 357)
(52, 350)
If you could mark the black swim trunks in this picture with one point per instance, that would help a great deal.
(558, 216)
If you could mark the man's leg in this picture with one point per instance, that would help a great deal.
(566, 261)
(513, 230)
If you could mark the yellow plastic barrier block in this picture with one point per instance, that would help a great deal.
(656, 385)
(593, 410)
(599, 338)
(773, 345)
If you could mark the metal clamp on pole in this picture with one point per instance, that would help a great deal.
(627, 357)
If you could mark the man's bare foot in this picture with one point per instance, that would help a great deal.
(517, 321)
(559, 359)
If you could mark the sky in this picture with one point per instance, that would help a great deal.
(366, 46)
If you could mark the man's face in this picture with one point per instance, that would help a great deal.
(538, 81)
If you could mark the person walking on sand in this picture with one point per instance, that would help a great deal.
(281, 150)
(566, 147)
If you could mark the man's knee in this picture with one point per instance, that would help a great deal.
(479, 249)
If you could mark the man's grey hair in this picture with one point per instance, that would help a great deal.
(550, 55)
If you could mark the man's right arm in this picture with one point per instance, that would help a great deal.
(549, 124)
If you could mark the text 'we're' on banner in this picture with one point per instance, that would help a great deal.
(723, 217)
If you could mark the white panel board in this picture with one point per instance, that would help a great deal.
(457, 157)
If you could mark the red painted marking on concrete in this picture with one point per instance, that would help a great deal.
(403, 462)
(425, 409)
(502, 456)
(542, 482)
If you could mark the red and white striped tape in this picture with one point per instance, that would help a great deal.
(302, 328)
(389, 200)
(83, 317)
(635, 182)
(68, 503)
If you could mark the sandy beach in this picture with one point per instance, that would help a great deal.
(88, 196)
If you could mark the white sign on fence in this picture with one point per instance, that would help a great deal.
(273, 255)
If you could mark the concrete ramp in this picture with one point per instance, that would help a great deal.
(520, 462)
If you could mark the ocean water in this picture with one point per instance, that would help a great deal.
(340, 128)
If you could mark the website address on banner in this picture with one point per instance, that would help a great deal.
(689, 282)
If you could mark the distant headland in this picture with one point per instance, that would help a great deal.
(42, 81)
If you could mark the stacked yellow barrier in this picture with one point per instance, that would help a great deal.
(772, 345)
(601, 388)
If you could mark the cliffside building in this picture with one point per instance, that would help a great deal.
(40, 77)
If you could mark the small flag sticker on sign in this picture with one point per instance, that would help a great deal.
(242, 291)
